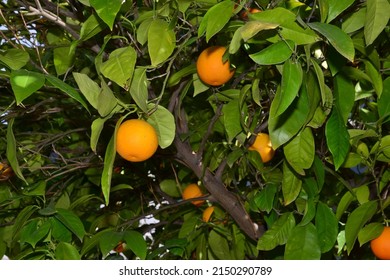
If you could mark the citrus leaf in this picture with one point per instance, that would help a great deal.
(70, 91)
(24, 83)
(231, 118)
(14, 58)
(278, 15)
(336, 7)
(21, 219)
(120, 66)
(377, 16)
(164, 123)
(265, 198)
(327, 227)
(324, 9)
(89, 88)
(291, 82)
(355, 21)
(369, 232)
(291, 185)
(278, 233)
(139, 89)
(251, 28)
(300, 151)
(219, 246)
(71, 221)
(303, 244)
(107, 11)
(344, 94)
(109, 240)
(66, 251)
(12, 151)
(161, 41)
(337, 137)
(321, 81)
(274, 54)
(96, 129)
(215, 19)
(170, 187)
(375, 77)
(337, 38)
(106, 100)
(344, 203)
(136, 242)
(91, 27)
(63, 59)
(384, 100)
(356, 220)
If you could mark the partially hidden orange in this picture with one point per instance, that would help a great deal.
(380, 246)
(193, 191)
(263, 146)
(206, 215)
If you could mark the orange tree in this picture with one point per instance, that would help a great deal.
(313, 75)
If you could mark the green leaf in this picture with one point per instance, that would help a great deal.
(336, 7)
(384, 100)
(337, 138)
(21, 219)
(91, 27)
(375, 77)
(215, 19)
(300, 151)
(278, 15)
(327, 227)
(34, 231)
(278, 233)
(66, 251)
(232, 119)
(337, 38)
(107, 11)
(303, 244)
(377, 17)
(344, 203)
(294, 32)
(63, 59)
(14, 58)
(265, 198)
(120, 66)
(321, 82)
(344, 94)
(70, 91)
(170, 187)
(251, 28)
(24, 83)
(12, 151)
(291, 185)
(369, 232)
(282, 128)
(106, 100)
(324, 9)
(96, 129)
(59, 231)
(161, 41)
(219, 245)
(139, 89)
(274, 54)
(356, 220)
(109, 159)
(355, 21)
(164, 123)
(71, 221)
(291, 83)
(310, 212)
(89, 88)
(136, 242)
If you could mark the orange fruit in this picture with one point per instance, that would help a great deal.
(263, 146)
(211, 68)
(136, 140)
(380, 246)
(193, 191)
(207, 214)
(251, 11)
(5, 172)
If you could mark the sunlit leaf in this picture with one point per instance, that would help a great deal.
(66, 251)
(336, 8)
(107, 12)
(163, 121)
(274, 54)
(291, 185)
(377, 17)
(14, 58)
(161, 41)
(24, 83)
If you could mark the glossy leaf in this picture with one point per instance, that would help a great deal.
(300, 151)
(215, 19)
(337, 138)
(107, 12)
(24, 83)
(71, 221)
(89, 88)
(66, 251)
(377, 17)
(274, 54)
(327, 227)
(344, 94)
(120, 66)
(291, 185)
(337, 38)
(303, 244)
(106, 101)
(278, 233)
(369, 232)
(336, 8)
(14, 58)
(384, 100)
(355, 21)
(251, 28)
(291, 82)
(11, 151)
(163, 121)
(356, 220)
(375, 77)
(139, 89)
(231, 117)
(161, 41)
(265, 198)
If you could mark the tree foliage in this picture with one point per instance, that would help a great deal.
(314, 75)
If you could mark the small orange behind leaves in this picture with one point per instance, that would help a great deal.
(380, 246)
(211, 68)
(136, 140)
(263, 146)
(207, 214)
(193, 191)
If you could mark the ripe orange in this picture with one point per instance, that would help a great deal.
(192, 191)
(244, 14)
(380, 246)
(136, 140)
(207, 214)
(211, 68)
(263, 146)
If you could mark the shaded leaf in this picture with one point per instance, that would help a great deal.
(344, 94)
(163, 122)
(291, 185)
(71, 221)
(136, 242)
(232, 119)
(219, 246)
(66, 251)
(369, 232)
(274, 54)
(91, 27)
(303, 244)
(384, 100)
(327, 227)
